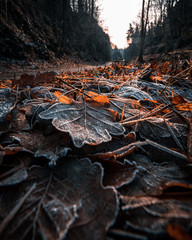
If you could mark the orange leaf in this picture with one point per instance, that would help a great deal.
(178, 100)
(62, 98)
(184, 107)
(176, 232)
(156, 78)
(92, 94)
(166, 67)
(166, 111)
(101, 99)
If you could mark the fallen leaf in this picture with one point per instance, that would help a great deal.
(85, 123)
(62, 98)
(184, 107)
(132, 92)
(6, 106)
(26, 80)
(52, 146)
(68, 201)
(100, 99)
(13, 177)
(177, 232)
(178, 100)
(151, 215)
(152, 176)
(157, 78)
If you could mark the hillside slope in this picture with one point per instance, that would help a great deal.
(29, 31)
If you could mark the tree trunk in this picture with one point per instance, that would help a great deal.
(144, 22)
(80, 7)
(92, 8)
(140, 59)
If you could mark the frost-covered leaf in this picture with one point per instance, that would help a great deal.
(6, 106)
(13, 177)
(19, 121)
(68, 201)
(157, 130)
(42, 92)
(52, 147)
(38, 93)
(85, 122)
(151, 176)
(152, 215)
(26, 115)
(132, 92)
(117, 174)
(4, 93)
(131, 107)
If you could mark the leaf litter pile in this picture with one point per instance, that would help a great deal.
(98, 154)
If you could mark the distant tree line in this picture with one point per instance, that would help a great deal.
(164, 25)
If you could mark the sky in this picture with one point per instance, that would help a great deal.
(116, 16)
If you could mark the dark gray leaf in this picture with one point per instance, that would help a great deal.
(151, 177)
(152, 215)
(6, 107)
(132, 92)
(14, 178)
(69, 199)
(84, 122)
(52, 146)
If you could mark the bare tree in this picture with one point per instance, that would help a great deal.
(144, 22)
(92, 7)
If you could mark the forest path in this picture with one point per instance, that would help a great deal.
(15, 71)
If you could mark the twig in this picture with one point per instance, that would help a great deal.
(165, 149)
(169, 82)
(12, 170)
(73, 87)
(137, 120)
(174, 136)
(148, 115)
(126, 150)
(16, 209)
(122, 114)
(189, 140)
(39, 206)
(119, 233)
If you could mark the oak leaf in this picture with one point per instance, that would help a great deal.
(68, 202)
(85, 122)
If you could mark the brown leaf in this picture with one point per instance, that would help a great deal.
(45, 77)
(177, 232)
(26, 80)
(178, 100)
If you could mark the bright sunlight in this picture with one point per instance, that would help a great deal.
(117, 15)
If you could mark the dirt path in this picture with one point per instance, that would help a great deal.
(15, 71)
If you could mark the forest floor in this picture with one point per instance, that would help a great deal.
(15, 68)
(102, 153)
